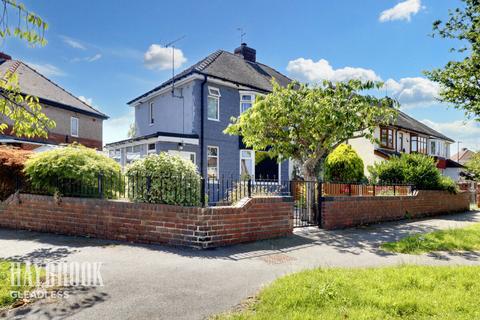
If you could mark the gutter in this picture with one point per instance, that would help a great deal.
(202, 124)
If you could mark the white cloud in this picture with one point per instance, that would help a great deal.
(311, 71)
(402, 11)
(46, 69)
(116, 129)
(160, 58)
(73, 43)
(88, 101)
(467, 132)
(413, 92)
(88, 59)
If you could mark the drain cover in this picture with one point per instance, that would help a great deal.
(278, 258)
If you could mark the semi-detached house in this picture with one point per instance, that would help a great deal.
(187, 117)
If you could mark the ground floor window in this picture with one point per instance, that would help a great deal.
(190, 156)
(247, 163)
(151, 148)
(212, 162)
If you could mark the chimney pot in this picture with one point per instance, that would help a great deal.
(246, 52)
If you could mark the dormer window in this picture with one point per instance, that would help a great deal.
(213, 104)
(386, 138)
(246, 101)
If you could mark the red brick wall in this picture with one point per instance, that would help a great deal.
(253, 219)
(343, 212)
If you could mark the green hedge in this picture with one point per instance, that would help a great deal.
(73, 170)
(415, 168)
(164, 178)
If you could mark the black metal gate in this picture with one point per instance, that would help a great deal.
(307, 197)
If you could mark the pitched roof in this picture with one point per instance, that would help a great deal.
(406, 122)
(463, 156)
(33, 83)
(230, 67)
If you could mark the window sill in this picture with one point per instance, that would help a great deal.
(217, 120)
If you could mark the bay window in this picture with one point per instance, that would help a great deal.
(386, 137)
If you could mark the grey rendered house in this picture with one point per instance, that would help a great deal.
(187, 117)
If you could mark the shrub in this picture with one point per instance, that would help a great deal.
(74, 166)
(344, 164)
(417, 169)
(12, 161)
(164, 178)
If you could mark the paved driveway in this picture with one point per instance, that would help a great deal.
(156, 282)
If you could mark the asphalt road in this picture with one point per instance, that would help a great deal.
(157, 282)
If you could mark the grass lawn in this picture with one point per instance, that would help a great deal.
(5, 286)
(461, 239)
(405, 292)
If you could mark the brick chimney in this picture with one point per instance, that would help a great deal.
(4, 56)
(246, 52)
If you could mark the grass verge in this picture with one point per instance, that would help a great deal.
(461, 239)
(405, 292)
(6, 288)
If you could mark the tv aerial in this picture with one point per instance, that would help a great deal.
(171, 44)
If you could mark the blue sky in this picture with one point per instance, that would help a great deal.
(102, 50)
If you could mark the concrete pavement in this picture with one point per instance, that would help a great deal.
(157, 282)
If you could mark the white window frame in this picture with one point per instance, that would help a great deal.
(253, 162)
(246, 93)
(151, 151)
(218, 160)
(253, 167)
(214, 93)
(151, 118)
(71, 126)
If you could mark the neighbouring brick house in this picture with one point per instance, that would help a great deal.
(188, 118)
(408, 135)
(75, 120)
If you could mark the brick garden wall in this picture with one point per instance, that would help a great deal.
(344, 212)
(253, 219)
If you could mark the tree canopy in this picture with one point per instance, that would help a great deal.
(473, 166)
(21, 112)
(306, 123)
(460, 80)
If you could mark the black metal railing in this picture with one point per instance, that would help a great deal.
(210, 191)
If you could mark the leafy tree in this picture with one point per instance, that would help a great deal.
(170, 180)
(306, 123)
(473, 166)
(22, 112)
(415, 168)
(460, 80)
(344, 164)
(50, 170)
(132, 131)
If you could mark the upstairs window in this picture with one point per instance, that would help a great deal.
(74, 127)
(246, 102)
(418, 144)
(386, 137)
(150, 113)
(213, 104)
